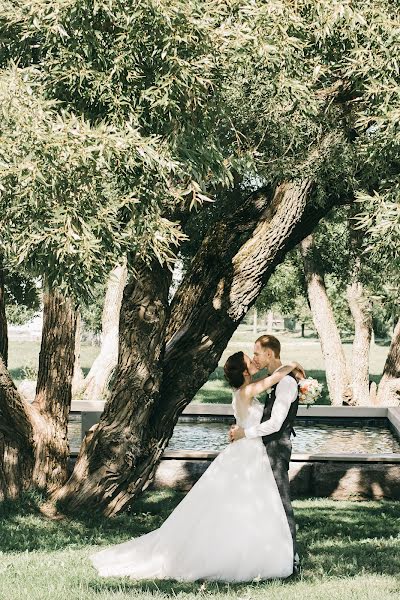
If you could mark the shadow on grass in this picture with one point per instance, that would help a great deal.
(24, 528)
(341, 539)
(348, 538)
(336, 539)
(168, 587)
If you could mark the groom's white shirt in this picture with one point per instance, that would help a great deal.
(286, 393)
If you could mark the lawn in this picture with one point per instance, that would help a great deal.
(307, 351)
(349, 551)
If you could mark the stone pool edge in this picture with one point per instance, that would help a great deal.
(337, 476)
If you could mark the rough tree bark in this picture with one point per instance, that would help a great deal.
(361, 311)
(389, 386)
(360, 308)
(152, 387)
(96, 382)
(53, 390)
(16, 439)
(3, 318)
(110, 452)
(337, 375)
(33, 437)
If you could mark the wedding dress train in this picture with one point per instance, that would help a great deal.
(231, 526)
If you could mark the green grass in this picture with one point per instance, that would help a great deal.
(307, 351)
(25, 354)
(349, 551)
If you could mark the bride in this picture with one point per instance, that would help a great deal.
(231, 526)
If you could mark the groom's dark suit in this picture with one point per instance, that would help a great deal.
(279, 450)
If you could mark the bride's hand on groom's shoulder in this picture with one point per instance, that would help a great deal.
(299, 372)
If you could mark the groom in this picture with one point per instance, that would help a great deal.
(276, 425)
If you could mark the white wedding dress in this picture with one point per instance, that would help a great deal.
(231, 526)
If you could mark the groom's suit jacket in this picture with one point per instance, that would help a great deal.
(287, 425)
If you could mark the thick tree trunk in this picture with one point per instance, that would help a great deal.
(3, 318)
(33, 437)
(389, 386)
(53, 391)
(119, 456)
(337, 376)
(110, 453)
(16, 439)
(96, 383)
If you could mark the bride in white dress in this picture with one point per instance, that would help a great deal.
(231, 526)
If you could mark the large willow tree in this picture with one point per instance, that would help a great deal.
(122, 120)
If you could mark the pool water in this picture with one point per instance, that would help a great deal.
(311, 438)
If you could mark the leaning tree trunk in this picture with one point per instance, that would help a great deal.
(389, 386)
(119, 456)
(337, 376)
(3, 318)
(111, 452)
(97, 380)
(16, 439)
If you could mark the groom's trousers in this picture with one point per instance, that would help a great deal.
(279, 453)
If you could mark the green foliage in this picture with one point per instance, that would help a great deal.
(69, 191)
(22, 297)
(92, 309)
(155, 64)
(21, 290)
(380, 222)
(333, 254)
(19, 314)
(122, 113)
(284, 289)
(110, 130)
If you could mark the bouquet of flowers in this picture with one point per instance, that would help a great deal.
(310, 389)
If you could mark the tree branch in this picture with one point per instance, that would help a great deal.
(213, 304)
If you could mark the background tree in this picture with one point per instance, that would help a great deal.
(94, 385)
(356, 289)
(379, 221)
(337, 375)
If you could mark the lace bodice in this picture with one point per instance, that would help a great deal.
(246, 415)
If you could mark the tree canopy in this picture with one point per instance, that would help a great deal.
(120, 117)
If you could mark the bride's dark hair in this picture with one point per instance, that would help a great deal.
(234, 368)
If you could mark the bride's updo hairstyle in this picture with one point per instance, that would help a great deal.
(234, 369)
